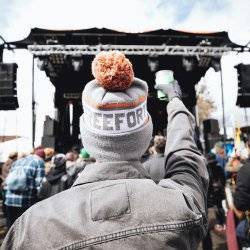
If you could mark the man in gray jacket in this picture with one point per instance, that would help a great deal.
(114, 204)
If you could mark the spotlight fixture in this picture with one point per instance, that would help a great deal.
(188, 63)
(77, 63)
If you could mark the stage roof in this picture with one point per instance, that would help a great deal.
(95, 36)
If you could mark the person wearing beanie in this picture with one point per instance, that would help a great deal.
(221, 156)
(23, 183)
(49, 153)
(12, 157)
(7, 165)
(114, 204)
(56, 180)
(80, 164)
(84, 154)
(40, 152)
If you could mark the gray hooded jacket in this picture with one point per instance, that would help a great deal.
(115, 205)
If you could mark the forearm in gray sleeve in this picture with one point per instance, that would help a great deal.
(184, 163)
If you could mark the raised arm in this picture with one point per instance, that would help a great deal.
(185, 165)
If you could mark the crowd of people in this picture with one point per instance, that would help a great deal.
(228, 168)
(123, 189)
(29, 178)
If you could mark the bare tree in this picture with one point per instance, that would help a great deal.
(205, 104)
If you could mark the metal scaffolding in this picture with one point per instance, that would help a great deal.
(79, 50)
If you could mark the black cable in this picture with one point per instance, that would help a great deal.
(6, 43)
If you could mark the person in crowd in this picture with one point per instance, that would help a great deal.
(83, 156)
(49, 153)
(70, 162)
(216, 190)
(241, 199)
(220, 153)
(56, 180)
(7, 165)
(23, 183)
(114, 204)
(5, 171)
(22, 155)
(155, 165)
(83, 160)
(235, 162)
(216, 194)
(76, 151)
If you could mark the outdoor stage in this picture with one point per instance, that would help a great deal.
(66, 57)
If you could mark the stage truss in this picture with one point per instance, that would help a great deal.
(160, 50)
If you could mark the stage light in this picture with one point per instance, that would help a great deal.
(188, 63)
(205, 42)
(153, 63)
(77, 63)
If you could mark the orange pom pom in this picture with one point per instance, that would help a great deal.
(113, 71)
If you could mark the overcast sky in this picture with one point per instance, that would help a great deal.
(17, 17)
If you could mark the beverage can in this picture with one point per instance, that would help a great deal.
(163, 77)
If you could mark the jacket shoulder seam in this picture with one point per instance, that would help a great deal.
(133, 232)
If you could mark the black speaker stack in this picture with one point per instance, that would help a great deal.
(8, 93)
(243, 99)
